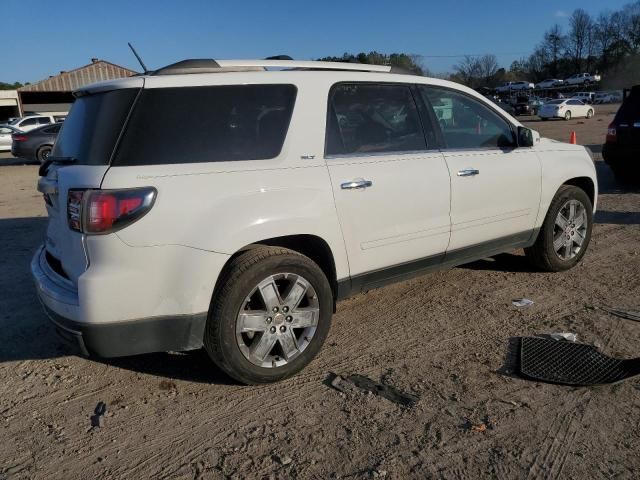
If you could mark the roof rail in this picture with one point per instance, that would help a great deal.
(206, 65)
(308, 64)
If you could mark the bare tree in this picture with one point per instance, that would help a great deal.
(580, 23)
(468, 70)
(553, 45)
(487, 67)
(606, 33)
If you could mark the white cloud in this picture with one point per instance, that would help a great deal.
(561, 14)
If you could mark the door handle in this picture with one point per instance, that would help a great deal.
(468, 172)
(356, 184)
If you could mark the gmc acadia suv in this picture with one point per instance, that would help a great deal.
(300, 184)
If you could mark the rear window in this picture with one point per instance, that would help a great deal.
(207, 124)
(90, 132)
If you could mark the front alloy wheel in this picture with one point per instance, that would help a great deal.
(565, 233)
(570, 230)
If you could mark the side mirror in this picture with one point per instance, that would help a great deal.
(526, 137)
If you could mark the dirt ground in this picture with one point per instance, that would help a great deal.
(444, 337)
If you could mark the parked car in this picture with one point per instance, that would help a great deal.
(522, 106)
(566, 109)
(622, 146)
(603, 97)
(549, 83)
(514, 86)
(35, 144)
(32, 121)
(535, 103)
(586, 97)
(5, 137)
(582, 79)
(295, 189)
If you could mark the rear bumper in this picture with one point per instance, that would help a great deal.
(614, 153)
(20, 152)
(111, 339)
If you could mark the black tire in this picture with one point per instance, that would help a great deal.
(567, 115)
(542, 254)
(43, 153)
(237, 281)
(590, 113)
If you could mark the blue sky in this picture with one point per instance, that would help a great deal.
(43, 37)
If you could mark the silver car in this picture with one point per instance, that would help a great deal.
(5, 137)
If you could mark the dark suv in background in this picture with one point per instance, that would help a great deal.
(622, 146)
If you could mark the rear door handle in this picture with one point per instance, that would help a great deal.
(356, 184)
(468, 172)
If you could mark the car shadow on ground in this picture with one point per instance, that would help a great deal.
(192, 366)
(504, 262)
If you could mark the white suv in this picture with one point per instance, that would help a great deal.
(299, 187)
(31, 122)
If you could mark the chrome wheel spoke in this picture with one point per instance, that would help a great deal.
(561, 221)
(305, 317)
(579, 238)
(270, 294)
(252, 321)
(296, 293)
(580, 220)
(568, 249)
(558, 242)
(289, 344)
(572, 211)
(263, 346)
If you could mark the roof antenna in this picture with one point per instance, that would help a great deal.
(144, 67)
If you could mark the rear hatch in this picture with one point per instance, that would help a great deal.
(81, 157)
(627, 119)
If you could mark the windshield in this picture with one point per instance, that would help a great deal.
(14, 121)
(90, 132)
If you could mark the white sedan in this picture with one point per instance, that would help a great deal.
(5, 137)
(566, 108)
(549, 83)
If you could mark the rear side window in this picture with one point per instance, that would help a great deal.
(53, 129)
(93, 125)
(207, 124)
(466, 122)
(369, 118)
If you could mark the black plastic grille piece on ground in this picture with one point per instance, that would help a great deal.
(572, 363)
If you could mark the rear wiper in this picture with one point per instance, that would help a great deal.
(62, 159)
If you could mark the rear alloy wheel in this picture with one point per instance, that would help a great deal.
(43, 154)
(589, 113)
(567, 116)
(270, 315)
(565, 233)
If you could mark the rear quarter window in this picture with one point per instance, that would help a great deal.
(90, 132)
(207, 124)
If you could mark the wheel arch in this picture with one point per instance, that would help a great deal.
(586, 184)
(312, 246)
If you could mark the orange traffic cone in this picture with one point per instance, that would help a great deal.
(572, 138)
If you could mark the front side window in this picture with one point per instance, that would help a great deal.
(465, 122)
(207, 124)
(371, 118)
(29, 121)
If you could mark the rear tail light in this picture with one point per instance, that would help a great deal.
(18, 138)
(106, 211)
(612, 134)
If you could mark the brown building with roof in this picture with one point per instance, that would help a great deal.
(54, 95)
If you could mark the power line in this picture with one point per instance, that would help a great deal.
(474, 55)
